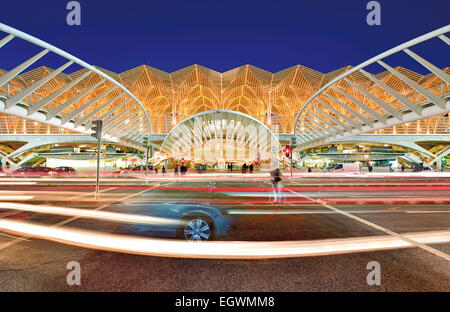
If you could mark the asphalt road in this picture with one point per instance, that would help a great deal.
(315, 209)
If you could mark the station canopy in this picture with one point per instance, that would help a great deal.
(221, 136)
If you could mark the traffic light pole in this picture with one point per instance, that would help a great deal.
(97, 186)
(97, 133)
(146, 161)
(293, 145)
(292, 169)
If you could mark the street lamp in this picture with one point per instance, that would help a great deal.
(97, 128)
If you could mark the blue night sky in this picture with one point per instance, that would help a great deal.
(273, 35)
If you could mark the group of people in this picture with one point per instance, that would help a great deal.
(181, 170)
(245, 167)
(391, 168)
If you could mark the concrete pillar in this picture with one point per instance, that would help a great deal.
(439, 163)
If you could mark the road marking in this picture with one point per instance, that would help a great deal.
(15, 237)
(91, 193)
(16, 241)
(266, 218)
(378, 227)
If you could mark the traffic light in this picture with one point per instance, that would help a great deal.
(145, 141)
(287, 151)
(97, 128)
(293, 141)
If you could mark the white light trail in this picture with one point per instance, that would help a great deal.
(304, 212)
(218, 250)
(18, 183)
(16, 197)
(88, 213)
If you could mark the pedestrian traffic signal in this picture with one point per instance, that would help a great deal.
(97, 128)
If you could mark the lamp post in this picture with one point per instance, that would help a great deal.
(98, 126)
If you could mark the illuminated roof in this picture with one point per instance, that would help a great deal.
(221, 135)
(247, 89)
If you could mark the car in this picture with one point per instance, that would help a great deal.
(135, 169)
(34, 171)
(192, 222)
(346, 167)
(424, 168)
(65, 170)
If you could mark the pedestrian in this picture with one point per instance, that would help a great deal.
(403, 168)
(370, 168)
(251, 168)
(163, 170)
(175, 171)
(309, 169)
(276, 185)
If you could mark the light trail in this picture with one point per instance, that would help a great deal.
(16, 197)
(218, 250)
(301, 212)
(88, 213)
(344, 201)
(59, 224)
(250, 190)
(63, 179)
(192, 176)
(380, 228)
(18, 183)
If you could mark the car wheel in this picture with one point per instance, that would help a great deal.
(196, 228)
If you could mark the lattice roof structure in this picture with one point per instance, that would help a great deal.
(171, 97)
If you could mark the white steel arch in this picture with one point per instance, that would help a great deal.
(101, 97)
(358, 102)
(221, 134)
